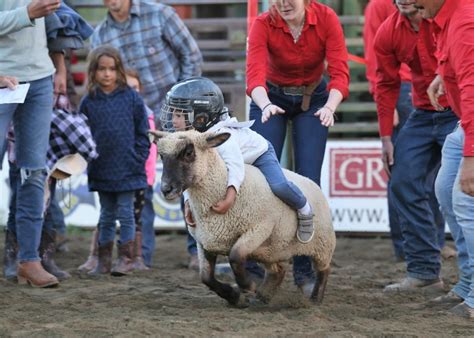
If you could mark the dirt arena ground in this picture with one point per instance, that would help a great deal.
(170, 301)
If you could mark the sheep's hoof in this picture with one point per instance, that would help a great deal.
(251, 289)
(263, 298)
(241, 303)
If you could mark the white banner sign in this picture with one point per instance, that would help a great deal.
(355, 184)
(352, 179)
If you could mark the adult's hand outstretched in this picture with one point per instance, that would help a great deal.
(270, 110)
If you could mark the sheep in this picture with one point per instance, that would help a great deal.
(259, 226)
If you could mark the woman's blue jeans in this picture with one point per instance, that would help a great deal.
(309, 144)
(32, 121)
(458, 210)
(116, 206)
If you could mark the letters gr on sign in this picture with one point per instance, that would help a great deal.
(357, 172)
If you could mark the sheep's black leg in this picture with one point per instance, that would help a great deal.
(248, 243)
(207, 263)
(274, 275)
(237, 262)
(320, 285)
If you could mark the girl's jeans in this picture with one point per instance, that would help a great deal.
(116, 206)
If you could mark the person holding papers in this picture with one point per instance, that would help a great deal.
(8, 81)
(24, 56)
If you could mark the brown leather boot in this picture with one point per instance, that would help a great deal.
(9, 256)
(33, 273)
(123, 264)
(47, 250)
(105, 259)
(93, 258)
(61, 243)
(138, 262)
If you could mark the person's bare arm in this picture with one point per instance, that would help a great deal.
(60, 78)
(225, 204)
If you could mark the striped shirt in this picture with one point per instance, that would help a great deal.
(155, 42)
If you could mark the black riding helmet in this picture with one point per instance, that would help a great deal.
(197, 100)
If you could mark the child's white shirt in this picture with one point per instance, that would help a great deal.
(243, 147)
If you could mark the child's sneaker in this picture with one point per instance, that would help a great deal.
(305, 230)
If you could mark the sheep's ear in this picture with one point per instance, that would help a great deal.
(155, 135)
(216, 140)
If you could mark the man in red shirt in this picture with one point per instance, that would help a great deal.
(453, 24)
(406, 38)
(376, 12)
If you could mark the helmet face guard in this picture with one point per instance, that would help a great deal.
(175, 118)
(180, 119)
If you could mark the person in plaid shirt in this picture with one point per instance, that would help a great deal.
(70, 134)
(154, 41)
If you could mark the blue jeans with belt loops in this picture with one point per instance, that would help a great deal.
(32, 121)
(417, 153)
(458, 209)
(404, 108)
(309, 143)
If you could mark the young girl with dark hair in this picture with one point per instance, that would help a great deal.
(119, 125)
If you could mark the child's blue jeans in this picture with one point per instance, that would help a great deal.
(285, 190)
(116, 206)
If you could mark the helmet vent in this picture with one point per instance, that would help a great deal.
(179, 102)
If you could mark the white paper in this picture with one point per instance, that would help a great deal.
(14, 96)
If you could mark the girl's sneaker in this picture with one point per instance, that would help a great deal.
(305, 230)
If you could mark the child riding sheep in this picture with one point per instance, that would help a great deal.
(197, 103)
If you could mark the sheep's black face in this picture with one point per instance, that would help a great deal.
(177, 170)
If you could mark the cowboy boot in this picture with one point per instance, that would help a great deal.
(93, 258)
(123, 264)
(47, 250)
(9, 257)
(138, 263)
(61, 243)
(33, 273)
(105, 259)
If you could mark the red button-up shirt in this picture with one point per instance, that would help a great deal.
(454, 28)
(397, 42)
(376, 12)
(274, 56)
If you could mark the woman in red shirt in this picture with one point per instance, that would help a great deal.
(288, 49)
